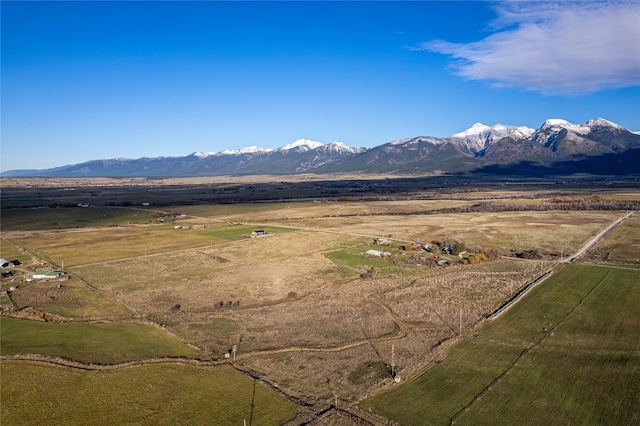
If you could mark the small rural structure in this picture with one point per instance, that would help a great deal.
(378, 253)
(258, 233)
(47, 275)
(382, 241)
(6, 264)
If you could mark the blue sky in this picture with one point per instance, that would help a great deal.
(98, 80)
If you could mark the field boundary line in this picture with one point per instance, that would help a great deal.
(519, 295)
(79, 365)
(525, 351)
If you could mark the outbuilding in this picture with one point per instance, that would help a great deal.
(378, 253)
(46, 275)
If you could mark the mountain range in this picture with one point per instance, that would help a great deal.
(558, 147)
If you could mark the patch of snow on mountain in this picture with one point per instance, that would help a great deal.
(246, 150)
(401, 141)
(203, 154)
(522, 132)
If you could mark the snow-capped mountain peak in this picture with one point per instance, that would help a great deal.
(303, 144)
(601, 122)
(553, 126)
(479, 136)
(475, 130)
(340, 147)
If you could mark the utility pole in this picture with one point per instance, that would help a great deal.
(460, 322)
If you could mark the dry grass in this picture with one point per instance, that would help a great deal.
(621, 245)
(254, 272)
(70, 298)
(548, 231)
(303, 322)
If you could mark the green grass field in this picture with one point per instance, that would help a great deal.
(145, 395)
(89, 342)
(567, 353)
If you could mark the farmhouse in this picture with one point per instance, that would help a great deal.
(258, 233)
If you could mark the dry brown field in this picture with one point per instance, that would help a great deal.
(304, 320)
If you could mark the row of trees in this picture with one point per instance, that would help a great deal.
(556, 204)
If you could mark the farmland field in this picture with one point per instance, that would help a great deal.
(316, 312)
(143, 395)
(563, 354)
(99, 343)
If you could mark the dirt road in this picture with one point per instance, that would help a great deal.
(586, 246)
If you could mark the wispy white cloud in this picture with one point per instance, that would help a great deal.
(570, 48)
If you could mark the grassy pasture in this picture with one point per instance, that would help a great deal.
(71, 299)
(144, 395)
(255, 271)
(567, 353)
(98, 343)
(107, 244)
(10, 251)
